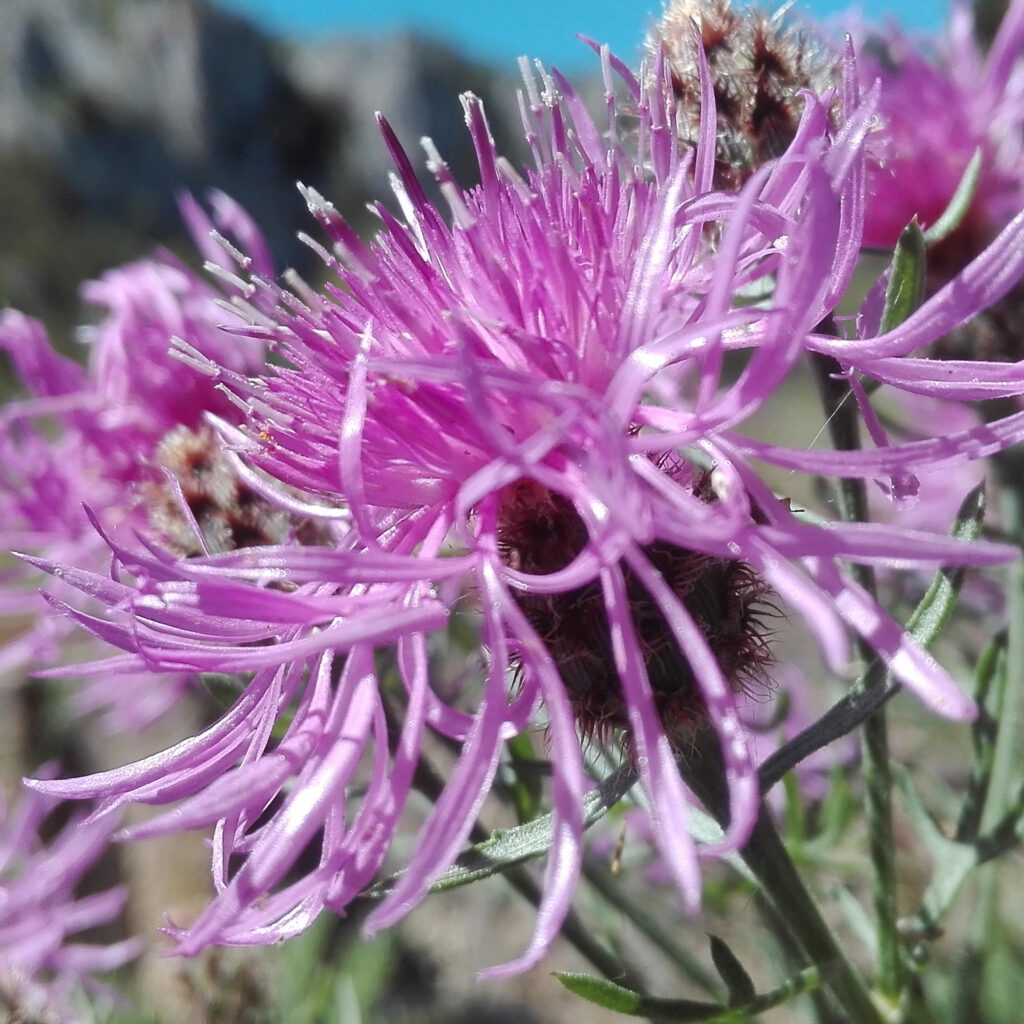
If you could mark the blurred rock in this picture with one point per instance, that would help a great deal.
(415, 83)
(110, 107)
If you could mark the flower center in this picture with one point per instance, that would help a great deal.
(228, 513)
(540, 532)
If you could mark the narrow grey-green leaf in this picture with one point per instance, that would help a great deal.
(857, 919)
(954, 213)
(837, 810)
(905, 290)
(990, 675)
(602, 993)
(953, 861)
(737, 982)
(685, 1011)
(924, 625)
(935, 608)
(507, 847)
(622, 1000)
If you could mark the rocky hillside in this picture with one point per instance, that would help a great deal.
(110, 107)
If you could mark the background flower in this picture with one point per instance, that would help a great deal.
(41, 966)
(934, 111)
(92, 438)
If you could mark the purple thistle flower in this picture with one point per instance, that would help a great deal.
(93, 436)
(527, 408)
(934, 114)
(40, 965)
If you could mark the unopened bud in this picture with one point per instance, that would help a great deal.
(759, 64)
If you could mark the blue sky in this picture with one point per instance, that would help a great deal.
(499, 32)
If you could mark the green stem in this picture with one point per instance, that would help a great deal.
(822, 1008)
(769, 861)
(647, 923)
(807, 980)
(1008, 465)
(878, 806)
(841, 413)
(989, 696)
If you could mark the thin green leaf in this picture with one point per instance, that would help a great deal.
(958, 206)
(935, 608)
(603, 993)
(905, 290)
(685, 1011)
(860, 924)
(953, 861)
(622, 1000)
(737, 982)
(837, 810)
(508, 847)
(924, 626)
(990, 677)
(525, 786)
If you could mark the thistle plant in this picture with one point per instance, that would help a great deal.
(502, 500)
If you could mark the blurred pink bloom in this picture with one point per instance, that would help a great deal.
(88, 437)
(933, 114)
(40, 964)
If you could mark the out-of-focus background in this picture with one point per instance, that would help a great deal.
(536, 27)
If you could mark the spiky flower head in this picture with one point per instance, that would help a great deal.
(940, 105)
(758, 65)
(519, 420)
(98, 437)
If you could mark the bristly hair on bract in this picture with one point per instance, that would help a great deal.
(541, 532)
(200, 504)
(758, 63)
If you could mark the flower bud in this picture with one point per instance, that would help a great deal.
(758, 64)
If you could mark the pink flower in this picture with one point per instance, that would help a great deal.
(933, 115)
(92, 437)
(518, 422)
(40, 964)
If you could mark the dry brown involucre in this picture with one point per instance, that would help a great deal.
(758, 64)
(540, 532)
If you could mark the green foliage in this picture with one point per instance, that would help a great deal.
(610, 996)
(684, 1011)
(954, 213)
(525, 789)
(732, 972)
(508, 847)
(924, 625)
(905, 289)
